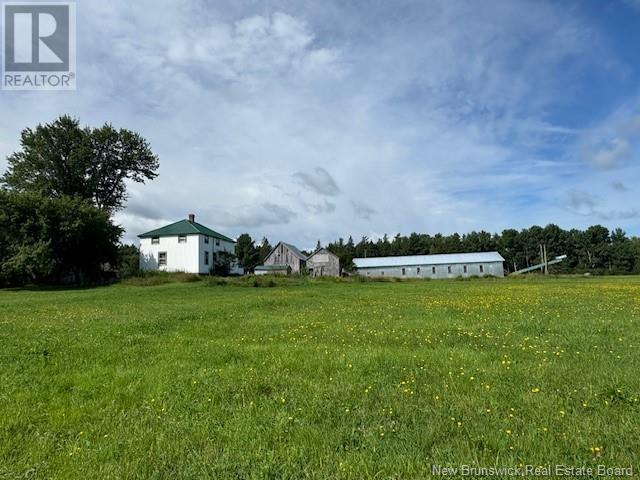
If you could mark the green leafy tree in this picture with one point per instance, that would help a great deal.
(222, 263)
(62, 159)
(128, 263)
(247, 253)
(53, 240)
(635, 248)
(622, 256)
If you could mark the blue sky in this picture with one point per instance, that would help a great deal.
(313, 120)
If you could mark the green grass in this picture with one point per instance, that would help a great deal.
(320, 379)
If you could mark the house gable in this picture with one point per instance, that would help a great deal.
(323, 263)
(286, 254)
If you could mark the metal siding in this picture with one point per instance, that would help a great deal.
(440, 259)
(457, 270)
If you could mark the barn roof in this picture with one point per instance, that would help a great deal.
(184, 227)
(321, 250)
(441, 259)
(293, 248)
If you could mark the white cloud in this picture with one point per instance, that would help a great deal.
(616, 151)
(424, 116)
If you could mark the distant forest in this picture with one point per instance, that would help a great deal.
(596, 249)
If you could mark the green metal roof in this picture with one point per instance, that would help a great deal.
(184, 227)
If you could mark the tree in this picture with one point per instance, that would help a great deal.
(128, 263)
(595, 244)
(622, 256)
(53, 240)
(509, 245)
(635, 248)
(62, 159)
(264, 250)
(247, 253)
(222, 263)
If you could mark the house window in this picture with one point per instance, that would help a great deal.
(206, 239)
(155, 240)
(464, 269)
(418, 270)
(404, 272)
(162, 259)
(481, 268)
(433, 270)
(449, 269)
(182, 239)
(206, 258)
(217, 242)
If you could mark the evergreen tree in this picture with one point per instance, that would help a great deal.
(264, 250)
(247, 253)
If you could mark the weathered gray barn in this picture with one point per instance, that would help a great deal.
(323, 263)
(285, 255)
(449, 265)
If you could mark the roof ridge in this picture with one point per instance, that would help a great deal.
(431, 254)
(193, 224)
(160, 228)
(429, 259)
(180, 228)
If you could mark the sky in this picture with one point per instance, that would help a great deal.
(304, 120)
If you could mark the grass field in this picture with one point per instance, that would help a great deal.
(318, 379)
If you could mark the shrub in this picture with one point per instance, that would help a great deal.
(54, 240)
(128, 264)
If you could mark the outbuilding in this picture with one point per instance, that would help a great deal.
(323, 263)
(449, 265)
(283, 256)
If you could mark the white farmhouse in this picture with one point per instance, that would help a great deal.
(184, 246)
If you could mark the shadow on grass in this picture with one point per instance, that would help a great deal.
(57, 288)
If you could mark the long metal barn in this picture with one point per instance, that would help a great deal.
(449, 265)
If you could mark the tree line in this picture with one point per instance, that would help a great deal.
(595, 250)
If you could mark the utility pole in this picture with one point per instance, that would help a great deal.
(544, 261)
(541, 258)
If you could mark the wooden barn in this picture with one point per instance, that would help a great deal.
(323, 263)
(284, 258)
